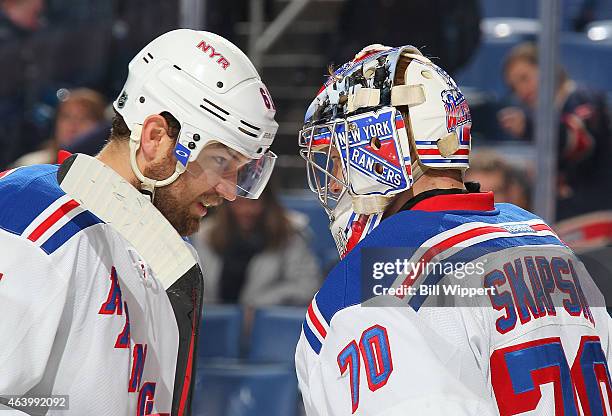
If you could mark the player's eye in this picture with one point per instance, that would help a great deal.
(221, 163)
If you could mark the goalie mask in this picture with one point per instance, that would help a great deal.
(217, 96)
(362, 128)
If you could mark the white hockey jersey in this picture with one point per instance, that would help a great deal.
(80, 312)
(531, 338)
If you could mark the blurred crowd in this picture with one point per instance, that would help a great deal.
(65, 60)
(50, 47)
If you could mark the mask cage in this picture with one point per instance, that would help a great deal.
(324, 165)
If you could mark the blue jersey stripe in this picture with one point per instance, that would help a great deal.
(25, 193)
(311, 338)
(80, 222)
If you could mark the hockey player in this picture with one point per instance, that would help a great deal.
(99, 297)
(444, 303)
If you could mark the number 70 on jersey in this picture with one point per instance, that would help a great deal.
(375, 352)
(517, 373)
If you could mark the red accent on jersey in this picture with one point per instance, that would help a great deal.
(444, 245)
(541, 227)
(139, 356)
(6, 173)
(123, 339)
(315, 321)
(357, 229)
(52, 219)
(114, 303)
(511, 403)
(62, 155)
(482, 201)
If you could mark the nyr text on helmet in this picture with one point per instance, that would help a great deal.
(210, 50)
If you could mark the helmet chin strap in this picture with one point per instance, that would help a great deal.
(418, 170)
(369, 205)
(148, 185)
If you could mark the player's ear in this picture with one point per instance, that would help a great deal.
(154, 138)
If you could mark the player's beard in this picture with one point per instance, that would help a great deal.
(170, 200)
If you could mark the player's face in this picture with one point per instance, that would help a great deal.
(522, 78)
(213, 179)
(335, 186)
(329, 170)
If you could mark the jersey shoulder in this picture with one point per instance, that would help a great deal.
(33, 206)
(440, 232)
(505, 224)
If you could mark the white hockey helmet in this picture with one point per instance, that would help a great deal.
(214, 92)
(362, 128)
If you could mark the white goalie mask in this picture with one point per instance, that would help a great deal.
(358, 144)
(214, 92)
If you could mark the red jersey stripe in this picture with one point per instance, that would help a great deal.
(315, 321)
(52, 219)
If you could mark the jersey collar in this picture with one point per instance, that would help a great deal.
(481, 201)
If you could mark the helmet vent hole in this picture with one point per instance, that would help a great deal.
(177, 67)
(260, 150)
(150, 56)
(144, 58)
(378, 168)
(250, 125)
(248, 133)
(375, 143)
(216, 106)
(142, 99)
(219, 84)
(212, 112)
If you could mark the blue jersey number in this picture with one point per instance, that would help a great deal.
(376, 353)
(518, 371)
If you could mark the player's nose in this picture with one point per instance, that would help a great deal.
(335, 186)
(226, 189)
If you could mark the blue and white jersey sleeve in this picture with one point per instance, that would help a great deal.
(32, 299)
(81, 313)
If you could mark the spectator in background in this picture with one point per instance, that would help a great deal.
(508, 183)
(584, 152)
(19, 18)
(448, 31)
(256, 253)
(78, 114)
